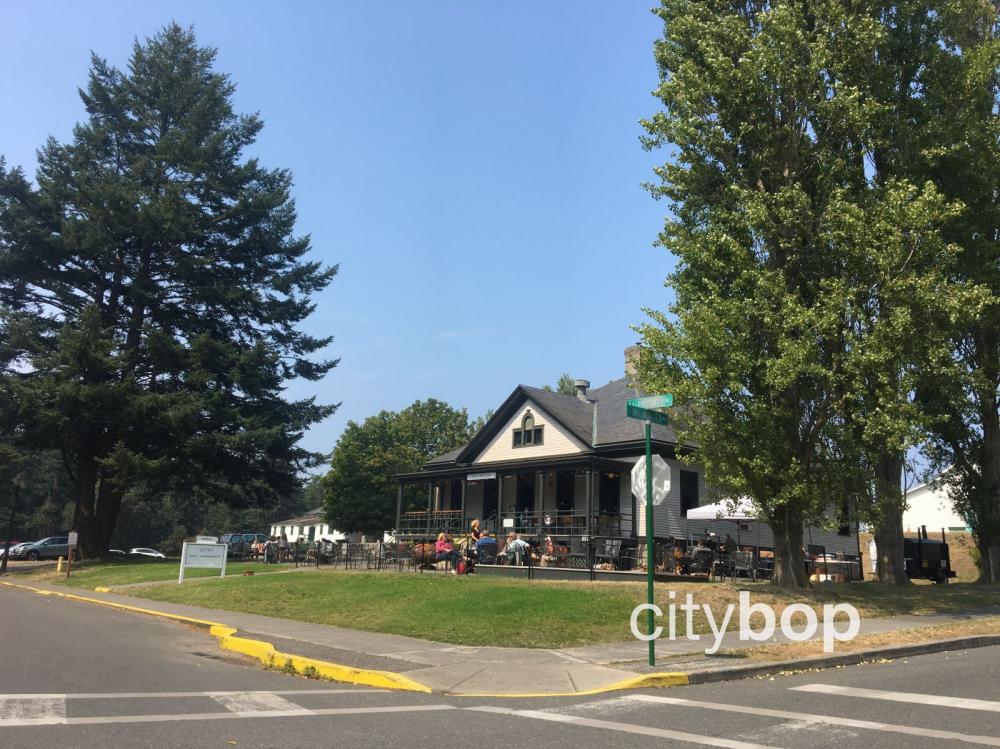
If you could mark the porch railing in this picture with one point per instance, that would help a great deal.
(423, 522)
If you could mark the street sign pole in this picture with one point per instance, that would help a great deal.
(650, 555)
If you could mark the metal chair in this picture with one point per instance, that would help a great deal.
(743, 562)
(611, 549)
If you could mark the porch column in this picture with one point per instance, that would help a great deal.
(430, 498)
(590, 499)
(399, 507)
(463, 502)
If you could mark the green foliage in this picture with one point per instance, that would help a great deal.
(815, 284)
(565, 386)
(151, 291)
(361, 491)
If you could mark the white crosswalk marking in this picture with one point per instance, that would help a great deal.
(823, 719)
(258, 702)
(44, 711)
(914, 697)
(50, 709)
(660, 733)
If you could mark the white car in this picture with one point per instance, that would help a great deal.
(148, 553)
(13, 547)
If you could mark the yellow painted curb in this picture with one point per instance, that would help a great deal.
(643, 681)
(260, 650)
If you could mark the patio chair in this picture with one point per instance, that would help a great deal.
(487, 553)
(634, 557)
(743, 563)
(722, 566)
(610, 553)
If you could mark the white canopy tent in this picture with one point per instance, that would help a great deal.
(738, 510)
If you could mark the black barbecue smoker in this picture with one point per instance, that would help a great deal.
(927, 559)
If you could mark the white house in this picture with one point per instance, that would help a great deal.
(309, 527)
(930, 506)
(556, 465)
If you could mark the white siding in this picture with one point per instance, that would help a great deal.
(555, 440)
(930, 507)
(668, 521)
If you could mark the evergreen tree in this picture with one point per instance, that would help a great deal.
(152, 288)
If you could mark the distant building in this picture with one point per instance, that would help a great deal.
(931, 506)
(311, 527)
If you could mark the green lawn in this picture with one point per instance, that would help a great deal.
(91, 575)
(472, 610)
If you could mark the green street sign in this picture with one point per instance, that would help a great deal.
(653, 401)
(645, 414)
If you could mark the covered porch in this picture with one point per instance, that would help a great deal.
(564, 499)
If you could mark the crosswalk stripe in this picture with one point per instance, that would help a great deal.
(258, 702)
(43, 712)
(103, 720)
(157, 695)
(915, 697)
(661, 733)
(822, 719)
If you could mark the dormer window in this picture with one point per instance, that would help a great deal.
(528, 434)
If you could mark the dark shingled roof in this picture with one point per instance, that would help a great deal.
(577, 416)
(448, 457)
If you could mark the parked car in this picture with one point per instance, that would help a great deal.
(148, 553)
(13, 548)
(239, 543)
(48, 548)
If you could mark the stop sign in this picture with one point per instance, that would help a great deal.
(661, 479)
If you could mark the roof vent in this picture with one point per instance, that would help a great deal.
(581, 388)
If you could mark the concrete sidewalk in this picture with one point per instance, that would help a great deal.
(466, 670)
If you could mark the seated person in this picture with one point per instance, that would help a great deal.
(486, 545)
(515, 547)
(682, 562)
(446, 552)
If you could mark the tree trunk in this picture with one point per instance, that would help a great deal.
(109, 502)
(890, 566)
(84, 515)
(789, 557)
(987, 531)
(15, 487)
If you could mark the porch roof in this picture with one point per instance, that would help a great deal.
(518, 466)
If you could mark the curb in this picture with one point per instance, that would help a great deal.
(641, 681)
(260, 650)
(733, 673)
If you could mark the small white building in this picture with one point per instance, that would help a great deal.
(310, 527)
(930, 506)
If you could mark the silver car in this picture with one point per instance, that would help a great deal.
(52, 547)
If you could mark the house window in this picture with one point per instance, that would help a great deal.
(528, 434)
(689, 491)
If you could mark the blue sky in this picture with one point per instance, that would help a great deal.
(473, 167)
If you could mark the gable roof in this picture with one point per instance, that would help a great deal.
(310, 518)
(598, 421)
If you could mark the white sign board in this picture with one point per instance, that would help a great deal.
(206, 539)
(72, 537)
(508, 522)
(203, 556)
(661, 479)
(481, 476)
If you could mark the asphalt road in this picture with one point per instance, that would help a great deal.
(78, 675)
